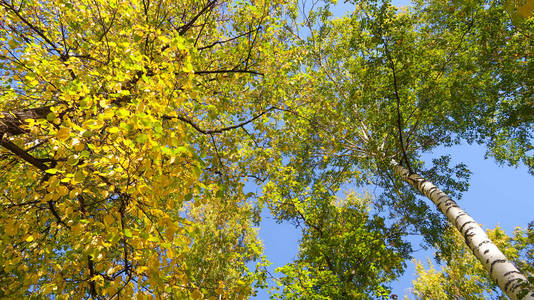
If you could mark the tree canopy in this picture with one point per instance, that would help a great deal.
(124, 145)
(130, 130)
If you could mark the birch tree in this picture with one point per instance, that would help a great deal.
(128, 130)
(385, 85)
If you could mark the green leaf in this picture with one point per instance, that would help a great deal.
(127, 233)
(52, 171)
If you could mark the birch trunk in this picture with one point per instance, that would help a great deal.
(508, 277)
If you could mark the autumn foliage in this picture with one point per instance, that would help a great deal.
(122, 133)
(132, 133)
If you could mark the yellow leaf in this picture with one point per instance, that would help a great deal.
(29, 239)
(113, 129)
(526, 10)
(51, 116)
(76, 229)
(109, 114)
(13, 44)
(63, 134)
(103, 103)
(187, 68)
(79, 147)
(170, 253)
(93, 124)
(108, 220)
(97, 277)
(141, 269)
(196, 294)
(122, 112)
(11, 228)
(74, 193)
(112, 270)
(79, 176)
(51, 171)
(62, 190)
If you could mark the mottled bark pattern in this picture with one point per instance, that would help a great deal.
(508, 277)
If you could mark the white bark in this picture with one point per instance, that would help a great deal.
(503, 271)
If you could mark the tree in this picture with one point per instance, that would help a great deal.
(127, 129)
(463, 277)
(344, 253)
(385, 86)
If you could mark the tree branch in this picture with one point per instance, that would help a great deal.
(397, 97)
(32, 27)
(23, 154)
(183, 29)
(92, 285)
(36, 163)
(228, 71)
(229, 40)
(219, 130)
(10, 122)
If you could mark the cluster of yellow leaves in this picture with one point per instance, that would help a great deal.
(123, 194)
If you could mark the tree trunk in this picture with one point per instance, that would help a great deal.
(10, 122)
(508, 277)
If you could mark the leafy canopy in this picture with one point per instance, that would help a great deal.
(127, 131)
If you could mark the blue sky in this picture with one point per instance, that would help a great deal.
(498, 195)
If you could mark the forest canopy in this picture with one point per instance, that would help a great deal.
(131, 132)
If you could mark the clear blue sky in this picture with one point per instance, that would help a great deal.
(498, 195)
